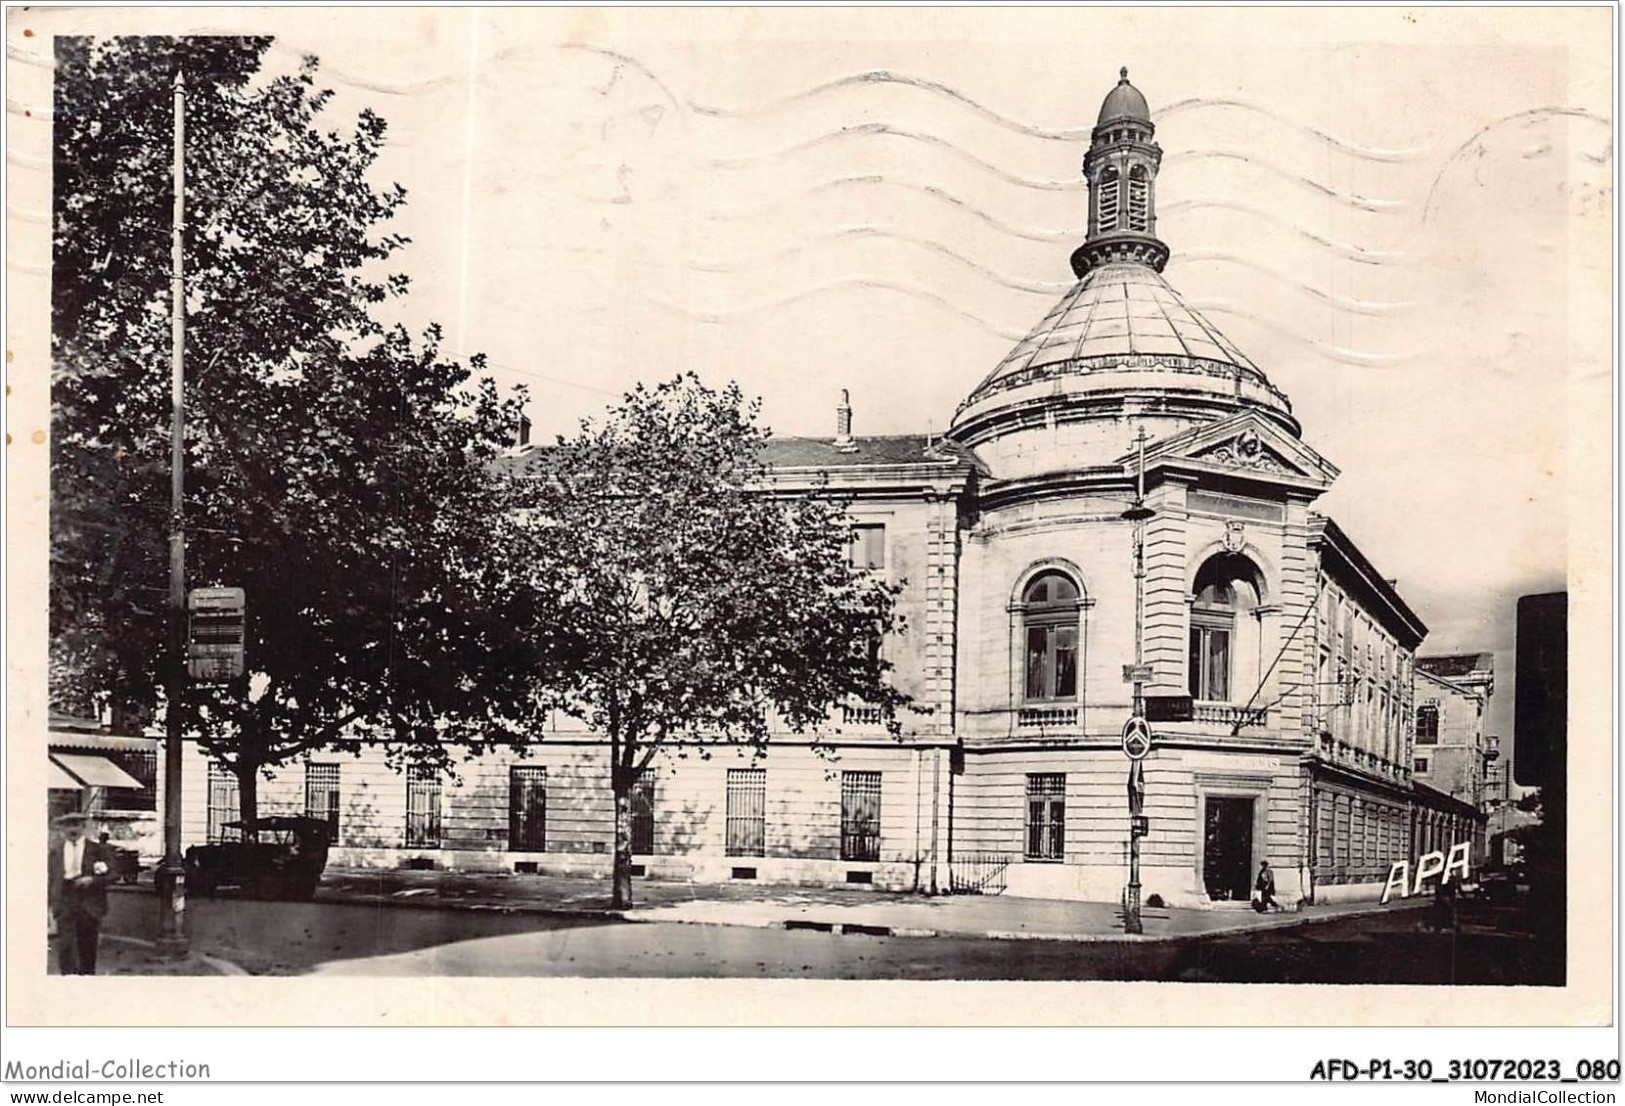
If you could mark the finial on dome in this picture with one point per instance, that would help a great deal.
(1122, 75)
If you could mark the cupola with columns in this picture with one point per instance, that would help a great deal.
(1121, 168)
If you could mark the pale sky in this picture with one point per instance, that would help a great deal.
(1403, 218)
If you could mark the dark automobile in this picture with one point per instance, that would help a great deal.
(1502, 887)
(284, 861)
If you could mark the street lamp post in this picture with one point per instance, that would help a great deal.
(1137, 514)
(171, 877)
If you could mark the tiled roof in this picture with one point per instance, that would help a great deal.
(1118, 310)
(822, 453)
(902, 449)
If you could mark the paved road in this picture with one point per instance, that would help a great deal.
(287, 938)
(329, 938)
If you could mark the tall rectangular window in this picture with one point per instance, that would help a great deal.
(1387, 727)
(225, 804)
(860, 815)
(868, 548)
(422, 808)
(322, 796)
(527, 808)
(643, 813)
(1052, 661)
(1046, 816)
(1326, 826)
(747, 812)
(1427, 725)
(1209, 662)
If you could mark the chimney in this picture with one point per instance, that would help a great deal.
(524, 433)
(843, 425)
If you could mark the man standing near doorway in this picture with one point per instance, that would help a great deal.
(77, 874)
(1265, 888)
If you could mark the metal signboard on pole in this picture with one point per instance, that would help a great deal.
(215, 634)
(1169, 708)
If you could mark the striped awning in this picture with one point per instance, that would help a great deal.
(95, 771)
(59, 780)
(101, 742)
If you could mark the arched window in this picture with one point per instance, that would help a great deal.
(1049, 621)
(1427, 725)
(1106, 201)
(1223, 653)
(1139, 199)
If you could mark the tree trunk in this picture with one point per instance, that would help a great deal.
(621, 785)
(248, 796)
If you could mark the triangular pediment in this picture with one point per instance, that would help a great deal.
(1246, 444)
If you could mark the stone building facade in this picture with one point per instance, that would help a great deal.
(1453, 697)
(1033, 575)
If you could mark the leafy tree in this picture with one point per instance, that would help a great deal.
(685, 602)
(340, 471)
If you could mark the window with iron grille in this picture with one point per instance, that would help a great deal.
(643, 813)
(860, 815)
(747, 812)
(143, 767)
(1046, 816)
(322, 796)
(527, 808)
(423, 808)
(225, 804)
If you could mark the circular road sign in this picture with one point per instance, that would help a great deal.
(1136, 738)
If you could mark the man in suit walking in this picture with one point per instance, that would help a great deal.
(77, 873)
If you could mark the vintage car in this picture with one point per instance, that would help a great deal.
(279, 857)
(1503, 886)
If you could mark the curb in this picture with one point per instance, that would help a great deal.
(872, 930)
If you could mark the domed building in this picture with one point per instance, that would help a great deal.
(1118, 523)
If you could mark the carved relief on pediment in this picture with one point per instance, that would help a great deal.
(1246, 450)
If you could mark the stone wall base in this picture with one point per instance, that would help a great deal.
(1348, 892)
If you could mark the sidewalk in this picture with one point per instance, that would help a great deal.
(119, 955)
(831, 910)
(993, 917)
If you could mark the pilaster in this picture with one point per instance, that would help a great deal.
(1296, 670)
(1165, 570)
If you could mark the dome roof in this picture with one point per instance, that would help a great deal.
(1122, 318)
(1123, 102)
(1121, 351)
